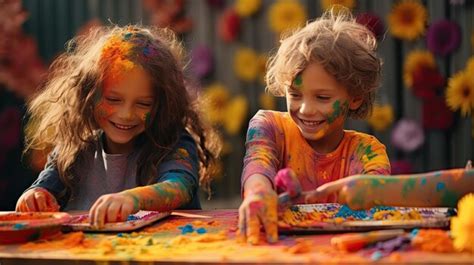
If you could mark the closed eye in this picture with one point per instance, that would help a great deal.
(145, 104)
(112, 100)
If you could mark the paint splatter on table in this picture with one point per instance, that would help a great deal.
(335, 217)
(176, 239)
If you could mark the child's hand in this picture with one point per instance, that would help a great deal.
(114, 207)
(346, 190)
(37, 200)
(258, 208)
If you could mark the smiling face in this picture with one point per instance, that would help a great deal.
(318, 104)
(123, 108)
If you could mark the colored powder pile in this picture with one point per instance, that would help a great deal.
(434, 240)
(188, 228)
(296, 217)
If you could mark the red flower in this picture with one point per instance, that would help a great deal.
(426, 82)
(229, 25)
(436, 115)
(372, 22)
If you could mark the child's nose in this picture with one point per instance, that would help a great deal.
(307, 108)
(125, 113)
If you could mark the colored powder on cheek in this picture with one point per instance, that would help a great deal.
(440, 186)
(146, 118)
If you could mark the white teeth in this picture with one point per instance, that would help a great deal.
(123, 127)
(311, 123)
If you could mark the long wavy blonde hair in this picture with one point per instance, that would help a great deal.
(62, 113)
(346, 50)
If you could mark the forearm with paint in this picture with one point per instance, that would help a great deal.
(439, 188)
(163, 196)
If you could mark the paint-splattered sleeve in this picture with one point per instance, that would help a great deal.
(261, 145)
(373, 156)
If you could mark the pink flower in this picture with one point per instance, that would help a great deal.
(443, 37)
(407, 135)
(202, 61)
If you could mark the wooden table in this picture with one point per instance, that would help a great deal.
(163, 242)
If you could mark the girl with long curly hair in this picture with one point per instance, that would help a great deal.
(124, 132)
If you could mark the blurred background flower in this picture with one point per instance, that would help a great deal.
(202, 61)
(407, 20)
(460, 93)
(245, 8)
(443, 37)
(407, 135)
(337, 4)
(373, 22)
(228, 25)
(400, 167)
(246, 65)
(286, 15)
(381, 118)
(436, 115)
(414, 60)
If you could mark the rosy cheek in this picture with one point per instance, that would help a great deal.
(104, 110)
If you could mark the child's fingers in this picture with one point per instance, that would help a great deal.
(30, 204)
(270, 223)
(125, 211)
(113, 211)
(253, 222)
(40, 199)
(51, 203)
(96, 211)
(21, 205)
(242, 232)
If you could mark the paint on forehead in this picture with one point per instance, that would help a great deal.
(298, 81)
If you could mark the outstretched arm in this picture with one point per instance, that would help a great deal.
(439, 188)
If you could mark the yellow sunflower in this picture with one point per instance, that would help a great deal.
(215, 99)
(407, 20)
(285, 15)
(470, 66)
(267, 101)
(460, 93)
(327, 4)
(413, 61)
(245, 64)
(245, 8)
(462, 225)
(235, 114)
(382, 117)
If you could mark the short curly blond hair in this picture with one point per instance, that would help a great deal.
(346, 50)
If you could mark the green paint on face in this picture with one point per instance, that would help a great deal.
(338, 110)
(449, 198)
(147, 118)
(298, 81)
(408, 186)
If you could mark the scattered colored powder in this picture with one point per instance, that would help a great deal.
(435, 240)
(376, 255)
(201, 230)
(186, 229)
(440, 186)
(423, 181)
(302, 246)
(132, 218)
(19, 226)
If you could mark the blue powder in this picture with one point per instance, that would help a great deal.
(201, 230)
(440, 186)
(132, 218)
(346, 212)
(376, 255)
(18, 226)
(186, 229)
(380, 208)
